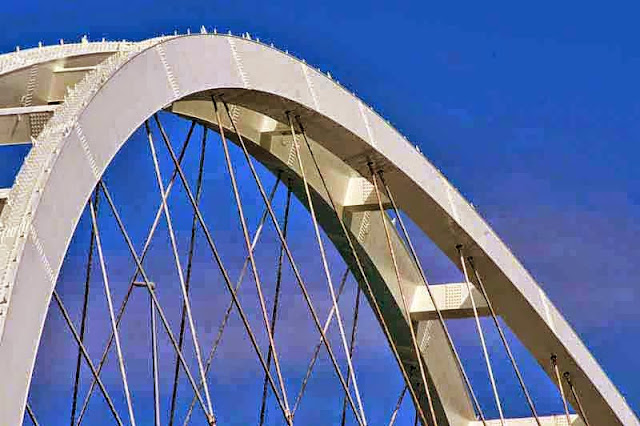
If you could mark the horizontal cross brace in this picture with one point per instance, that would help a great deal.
(452, 299)
(27, 110)
(530, 421)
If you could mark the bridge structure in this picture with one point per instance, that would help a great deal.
(360, 181)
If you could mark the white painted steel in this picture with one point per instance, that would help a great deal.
(87, 130)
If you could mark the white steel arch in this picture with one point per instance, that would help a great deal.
(89, 127)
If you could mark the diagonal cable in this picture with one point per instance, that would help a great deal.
(316, 351)
(360, 269)
(114, 328)
(394, 260)
(156, 303)
(567, 377)
(254, 268)
(86, 357)
(227, 313)
(85, 304)
(32, 415)
(123, 305)
(485, 352)
(396, 409)
(176, 256)
(218, 259)
(327, 273)
(154, 361)
(352, 345)
(504, 341)
(274, 312)
(293, 264)
(417, 262)
(192, 241)
(554, 365)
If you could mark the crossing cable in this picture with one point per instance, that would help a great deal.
(32, 416)
(554, 364)
(154, 362)
(85, 304)
(274, 312)
(227, 313)
(114, 328)
(316, 351)
(352, 343)
(327, 273)
(480, 333)
(176, 256)
(567, 377)
(396, 409)
(254, 268)
(504, 340)
(192, 244)
(377, 310)
(414, 341)
(86, 357)
(156, 303)
(293, 264)
(218, 260)
(123, 305)
(414, 255)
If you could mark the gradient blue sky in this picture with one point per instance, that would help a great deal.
(532, 111)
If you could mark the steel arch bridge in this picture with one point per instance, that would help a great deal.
(77, 105)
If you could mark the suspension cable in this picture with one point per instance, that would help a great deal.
(396, 409)
(32, 416)
(107, 291)
(316, 351)
(123, 305)
(217, 258)
(414, 341)
(86, 356)
(327, 273)
(567, 377)
(154, 362)
(293, 264)
(480, 334)
(352, 344)
(227, 313)
(377, 310)
(192, 244)
(274, 312)
(414, 255)
(554, 364)
(156, 302)
(504, 340)
(254, 268)
(176, 256)
(83, 320)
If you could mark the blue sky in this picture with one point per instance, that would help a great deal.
(531, 111)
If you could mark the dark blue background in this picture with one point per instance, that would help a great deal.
(532, 111)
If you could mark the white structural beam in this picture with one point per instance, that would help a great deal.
(360, 196)
(27, 110)
(74, 69)
(452, 299)
(556, 420)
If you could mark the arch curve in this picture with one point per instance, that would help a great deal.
(84, 135)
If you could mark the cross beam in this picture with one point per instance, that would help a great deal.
(452, 299)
